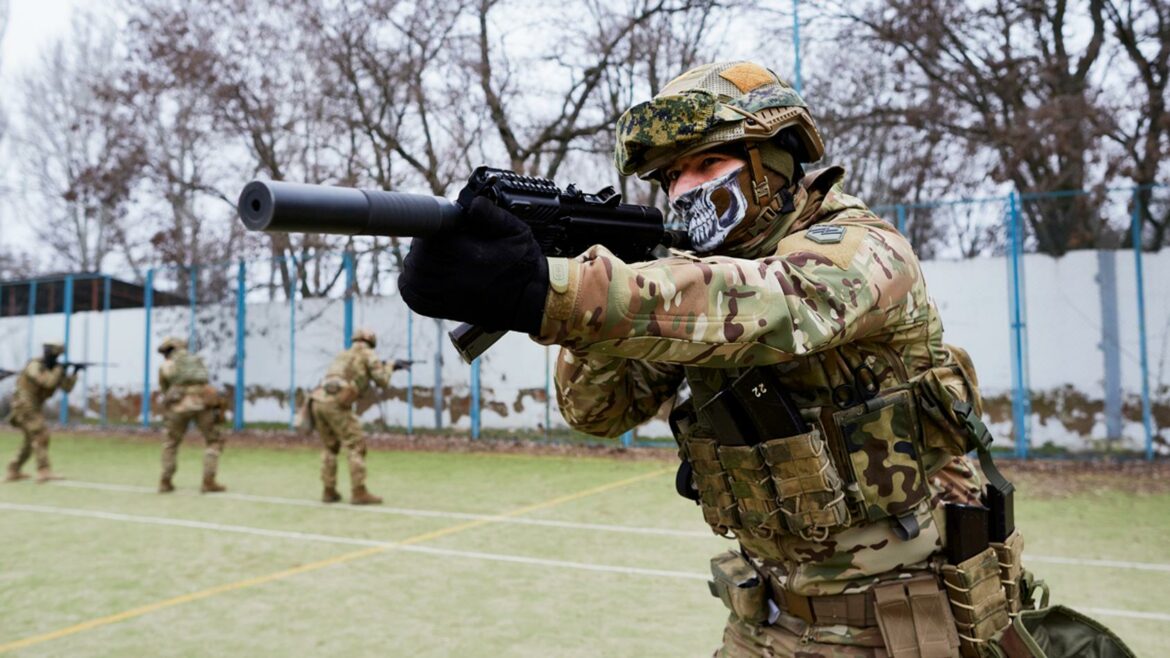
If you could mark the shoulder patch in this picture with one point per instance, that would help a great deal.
(826, 234)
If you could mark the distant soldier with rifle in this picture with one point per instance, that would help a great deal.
(37, 383)
(187, 396)
(329, 410)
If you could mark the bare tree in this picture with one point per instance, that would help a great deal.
(1011, 77)
(1141, 121)
(75, 149)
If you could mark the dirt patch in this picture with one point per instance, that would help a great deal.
(410, 442)
(1061, 478)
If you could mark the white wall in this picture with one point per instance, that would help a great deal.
(1063, 316)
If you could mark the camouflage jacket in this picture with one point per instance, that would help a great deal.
(183, 380)
(351, 373)
(37, 384)
(633, 332)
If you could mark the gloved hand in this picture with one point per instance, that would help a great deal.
(488, 272)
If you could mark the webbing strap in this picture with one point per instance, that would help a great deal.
(981, 436)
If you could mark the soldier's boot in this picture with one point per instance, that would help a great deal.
(165, 485)
(14, 475)
(46, 475)
(330, 495)
(362, 496)
(211, 486)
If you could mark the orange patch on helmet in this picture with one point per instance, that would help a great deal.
(747, 76)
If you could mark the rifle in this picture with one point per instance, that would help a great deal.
(403, 364)
(564, 222)
(5, 374)
(82, 365)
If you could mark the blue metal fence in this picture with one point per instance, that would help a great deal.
(1011, 238)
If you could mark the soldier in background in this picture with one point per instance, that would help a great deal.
(187, 396)
(330, 411)
(37, 383)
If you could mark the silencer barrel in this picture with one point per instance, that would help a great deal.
(299, 208)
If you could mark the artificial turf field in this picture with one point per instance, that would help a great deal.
(472, 555)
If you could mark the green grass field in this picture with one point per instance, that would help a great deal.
(472, 555)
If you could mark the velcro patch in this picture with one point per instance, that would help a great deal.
(825, 234)
(747, 76)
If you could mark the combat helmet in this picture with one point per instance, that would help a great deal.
(171, 343)
(54, 348)
(366, 336)
(716, 105)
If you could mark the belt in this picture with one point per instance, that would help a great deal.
(855, 609)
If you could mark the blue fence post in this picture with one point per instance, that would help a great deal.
(292, 344)
(32, 315)
(438, 391)
(1136, 231)
(796, 42)
(68, 309)
(1021, 411)
(628, 439)
(901, 223)
(147, 307)
(347, 259)
(241, 326)
(105, 349)
(475, 398)
(410, 372)
(192, 282)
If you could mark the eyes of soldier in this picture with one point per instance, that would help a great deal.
(691, 171)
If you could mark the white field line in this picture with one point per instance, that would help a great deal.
(666, 532)
(335, 539)
(402, 511)
(475, 555)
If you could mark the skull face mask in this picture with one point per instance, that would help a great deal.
(712, 210)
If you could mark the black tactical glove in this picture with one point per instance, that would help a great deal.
(488, 272)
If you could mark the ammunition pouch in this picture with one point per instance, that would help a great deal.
(978, 602)
(740, 586)
(343, 393)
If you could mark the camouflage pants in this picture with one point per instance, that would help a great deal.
(176, 426)
(36, 439)
(791, 638)
(339, 426)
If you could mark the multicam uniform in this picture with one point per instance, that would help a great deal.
(36, 385)
(187, 396)
(831, 301)
(333, 416)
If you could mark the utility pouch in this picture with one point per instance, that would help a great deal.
(343, 392)
(211, 398)
(914, 619)
(809, 490)
(715, 498)
(1058, 632)
(881, 440)
(1011, 570)
(937, 390)
(737, 583)
(751, 486)
(977, 601)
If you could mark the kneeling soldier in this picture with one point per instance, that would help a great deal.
(37, 383)
(330, 408)
(187, 396)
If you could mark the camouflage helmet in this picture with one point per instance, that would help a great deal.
(366, 336)
(171, 343)
(709, 106)
(54, 348)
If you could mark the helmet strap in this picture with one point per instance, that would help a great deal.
(760, 188)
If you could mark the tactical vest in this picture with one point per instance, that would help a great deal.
(349, 368)
(871, 434)
(188, 370)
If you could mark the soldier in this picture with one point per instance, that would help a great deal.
(797, 307)
(330, 411)
(187, 396)
(37, 383)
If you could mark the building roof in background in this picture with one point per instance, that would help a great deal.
(88, 294)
